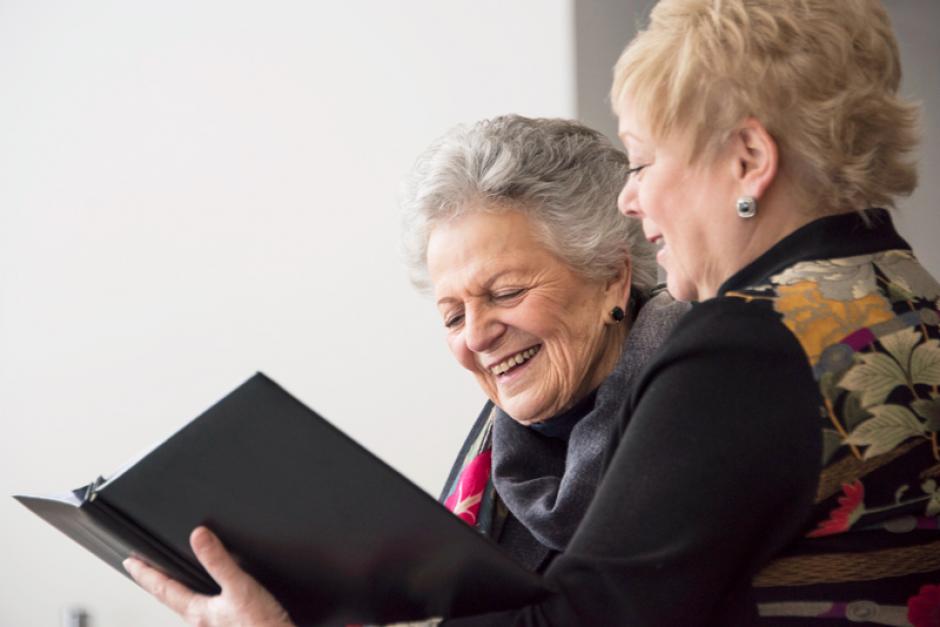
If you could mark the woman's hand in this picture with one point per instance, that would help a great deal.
(243, 601)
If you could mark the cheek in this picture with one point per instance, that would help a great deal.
(652, 199)
(548, 313)
(463, 355)
(570, 335)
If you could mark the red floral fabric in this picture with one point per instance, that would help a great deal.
(923, 610)
(851, 507)
(468, 495)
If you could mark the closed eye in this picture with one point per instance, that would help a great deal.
(509, 295)
(453, 321)
(636, 170)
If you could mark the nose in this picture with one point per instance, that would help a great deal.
(482, 329)
(627, 200)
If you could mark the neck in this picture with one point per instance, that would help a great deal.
(779, 215)
(616, 337)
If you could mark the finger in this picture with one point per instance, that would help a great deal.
(217, 561)
(168, 591)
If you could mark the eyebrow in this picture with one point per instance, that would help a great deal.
(623, 135)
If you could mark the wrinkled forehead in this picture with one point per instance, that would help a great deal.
(474, 248)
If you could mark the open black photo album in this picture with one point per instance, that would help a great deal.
(333, 532)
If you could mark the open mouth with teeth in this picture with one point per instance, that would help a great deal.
(515, 361)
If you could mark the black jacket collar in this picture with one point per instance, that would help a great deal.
(831, 237)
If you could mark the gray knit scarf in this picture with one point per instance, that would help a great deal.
(547, 481)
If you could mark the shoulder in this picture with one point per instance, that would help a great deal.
(726, 323)
(732, 372)
(654, 323)
(659, 314)
(824, 301)
(730, 357)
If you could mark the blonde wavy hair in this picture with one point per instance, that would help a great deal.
(821, 75)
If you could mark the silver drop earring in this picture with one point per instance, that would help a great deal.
(746, 206)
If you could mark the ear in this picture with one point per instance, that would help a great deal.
(755, 158)
(617, 289)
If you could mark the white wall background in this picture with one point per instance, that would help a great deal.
(193, 191)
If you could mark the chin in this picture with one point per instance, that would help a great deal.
(681, 290)
(680, 286)
(521, 414)
(523, 418)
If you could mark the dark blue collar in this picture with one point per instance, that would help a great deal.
(560, 426)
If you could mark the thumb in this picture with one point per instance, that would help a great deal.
(218, 562)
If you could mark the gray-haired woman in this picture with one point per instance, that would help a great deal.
(544, 290)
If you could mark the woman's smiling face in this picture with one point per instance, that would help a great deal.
(532, 331)
(687, 209)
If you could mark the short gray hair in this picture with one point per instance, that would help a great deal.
(564, 176)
